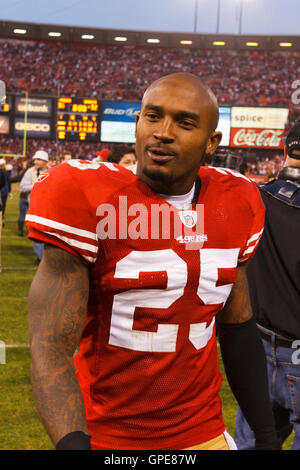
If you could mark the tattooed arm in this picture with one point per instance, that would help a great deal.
(57, 310)
(245, 363)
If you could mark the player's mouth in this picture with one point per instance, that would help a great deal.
(160, 154)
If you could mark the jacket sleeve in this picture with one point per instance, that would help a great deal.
(26, 182)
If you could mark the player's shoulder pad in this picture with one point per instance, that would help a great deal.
(226, 176)
(84, 173)
(283, 190)
(225, 179)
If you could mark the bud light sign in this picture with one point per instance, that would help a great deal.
(118, 121)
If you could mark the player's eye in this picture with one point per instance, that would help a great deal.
(152, 116)
(186, 124)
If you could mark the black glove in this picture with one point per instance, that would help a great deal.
(270, 442)
(76, 440)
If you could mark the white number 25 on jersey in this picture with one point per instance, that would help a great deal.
(164, 339)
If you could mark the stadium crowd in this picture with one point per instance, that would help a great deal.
(124, 72)
(120, 72)
(259, 166)
(249, 78)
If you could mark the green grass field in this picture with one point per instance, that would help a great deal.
(20, 427)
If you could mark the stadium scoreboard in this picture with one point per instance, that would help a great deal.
(6, 115)
(78, 119)
(4, 108)
(6, 104)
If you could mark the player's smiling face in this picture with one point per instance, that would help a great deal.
(173, 134)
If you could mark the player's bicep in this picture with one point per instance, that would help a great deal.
(58, 300)
(238, 307)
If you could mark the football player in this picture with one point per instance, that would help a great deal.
(140, 297)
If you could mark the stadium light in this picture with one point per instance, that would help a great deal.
(153, 41)
(285, 44)
(120, 38)
(20, 31)
(54, 34)
(251, 44)
(241, 2)
(196, 16)
(219, 43)
(87, 36)
(218, 16)
(184, 41)
(240, 16)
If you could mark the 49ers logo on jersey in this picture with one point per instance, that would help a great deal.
(188, 218)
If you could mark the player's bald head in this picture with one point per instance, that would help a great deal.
(175, 131)
(206, 97)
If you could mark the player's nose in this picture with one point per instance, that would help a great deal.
(164, 130)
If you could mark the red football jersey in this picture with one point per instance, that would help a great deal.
(147, 361)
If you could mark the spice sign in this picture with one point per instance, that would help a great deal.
(257, 127)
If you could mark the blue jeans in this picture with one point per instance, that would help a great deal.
(284, 390)
(23, 208)
(38, 248)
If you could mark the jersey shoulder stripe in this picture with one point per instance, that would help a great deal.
(60, 226)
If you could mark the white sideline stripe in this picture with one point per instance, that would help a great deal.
(24, 345)
(12, 268)
(14, 237)
(76, 243)
(255, 237)
(66, 228)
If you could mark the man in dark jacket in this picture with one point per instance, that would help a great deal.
(2, 184)
(6, 188)
(274, 285)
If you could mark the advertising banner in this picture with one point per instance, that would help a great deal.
(36, 128)
(4, 124)
(256, 138)
(257, 127)
(34, 106)
(224, 124)
(118, 121)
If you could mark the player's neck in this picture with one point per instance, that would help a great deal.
(176, 188)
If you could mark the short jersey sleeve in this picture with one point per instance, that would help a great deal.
(61, 214)
(257, 223)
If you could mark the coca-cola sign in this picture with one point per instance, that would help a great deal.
(256, 138)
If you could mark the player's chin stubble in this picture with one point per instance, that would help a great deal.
(157, 174)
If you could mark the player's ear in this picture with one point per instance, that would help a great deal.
(213, 142)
